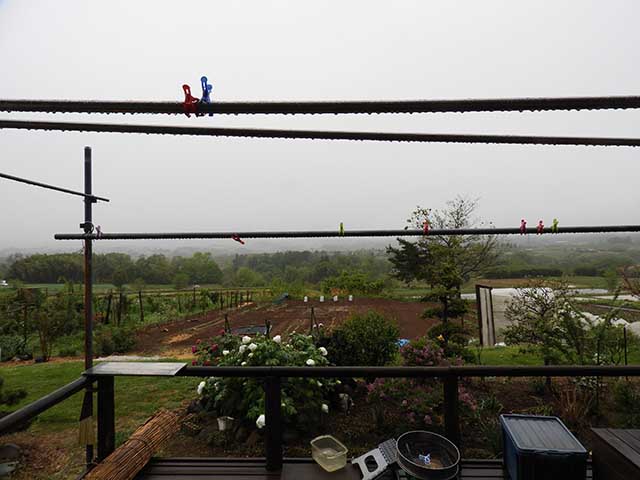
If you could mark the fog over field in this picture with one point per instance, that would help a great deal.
(286, 50)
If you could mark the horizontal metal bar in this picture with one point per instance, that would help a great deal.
(29, 411)
(347, 233)
(319, 134)
(326, 107)
(415, 372)
(51, 187)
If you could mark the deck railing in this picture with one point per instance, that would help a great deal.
(450, 377)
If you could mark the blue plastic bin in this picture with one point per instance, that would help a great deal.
(537, 447)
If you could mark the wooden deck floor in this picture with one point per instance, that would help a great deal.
(294, 469)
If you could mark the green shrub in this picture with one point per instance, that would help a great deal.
(626, 396)
(453, 340)
(68, 352)
(109, 340)
(11, 346)
(364, 339)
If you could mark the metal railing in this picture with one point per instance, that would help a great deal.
(450, 376)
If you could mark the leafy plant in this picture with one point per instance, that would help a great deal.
(364, 339)
(109, 340)
(304, 400)
(626, 396)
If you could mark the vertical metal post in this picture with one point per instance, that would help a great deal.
(451, 417)
(106, 417)
(273, 418)
(88, 279)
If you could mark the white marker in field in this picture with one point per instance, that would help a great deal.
(351, 298)
(306, 299)
(322, 298)
(335, 298)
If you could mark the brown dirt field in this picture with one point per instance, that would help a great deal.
(176, 338)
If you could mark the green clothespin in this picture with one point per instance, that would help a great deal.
(554, 226)
(341, 229)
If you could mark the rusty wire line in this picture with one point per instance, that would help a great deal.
(326, 107)
(51, 187)
(347, 233)
(319, 134)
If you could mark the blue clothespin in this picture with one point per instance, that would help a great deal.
(207, 88)
(425, 458)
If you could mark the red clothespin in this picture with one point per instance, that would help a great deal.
(425, 227)
(190, 102)
(237, 238)
(540, 228)
(523, 226)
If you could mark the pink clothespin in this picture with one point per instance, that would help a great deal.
(540, 228)
(523, 226)
(237, 238)
(190, 102)
(425, 227)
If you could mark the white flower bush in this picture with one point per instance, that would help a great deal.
(225, 352)
(303, 399)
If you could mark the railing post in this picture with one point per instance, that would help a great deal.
(106, 417)
(451, 417)
(273, 417)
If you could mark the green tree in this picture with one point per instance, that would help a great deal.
(119, 278)
(612, 280)
(544, 319)
(180, 281)
(246, 277)
(445, 262)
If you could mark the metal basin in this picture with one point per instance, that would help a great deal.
(427, 456)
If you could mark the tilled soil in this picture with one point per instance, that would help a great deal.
(176, 338)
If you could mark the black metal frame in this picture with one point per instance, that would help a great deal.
(450, 376)
(319, 134)
(326, 107)
(436, 232)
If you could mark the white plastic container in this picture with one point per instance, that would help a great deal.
(225, 423)
(329, 453)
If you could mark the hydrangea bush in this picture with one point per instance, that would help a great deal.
(421, 400)
(304, 400)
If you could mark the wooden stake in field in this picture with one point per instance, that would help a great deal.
(126, 461)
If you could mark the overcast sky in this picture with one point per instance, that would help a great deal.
(293, 50)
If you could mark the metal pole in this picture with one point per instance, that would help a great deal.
(106, 417)
(451, 416)
(88, 281)
(273, 439)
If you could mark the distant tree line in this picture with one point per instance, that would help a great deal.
(367, 269)
(554, 262)
(116, 268)
(306, 267)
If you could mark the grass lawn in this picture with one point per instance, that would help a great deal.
(513, 355)
(136, 397)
